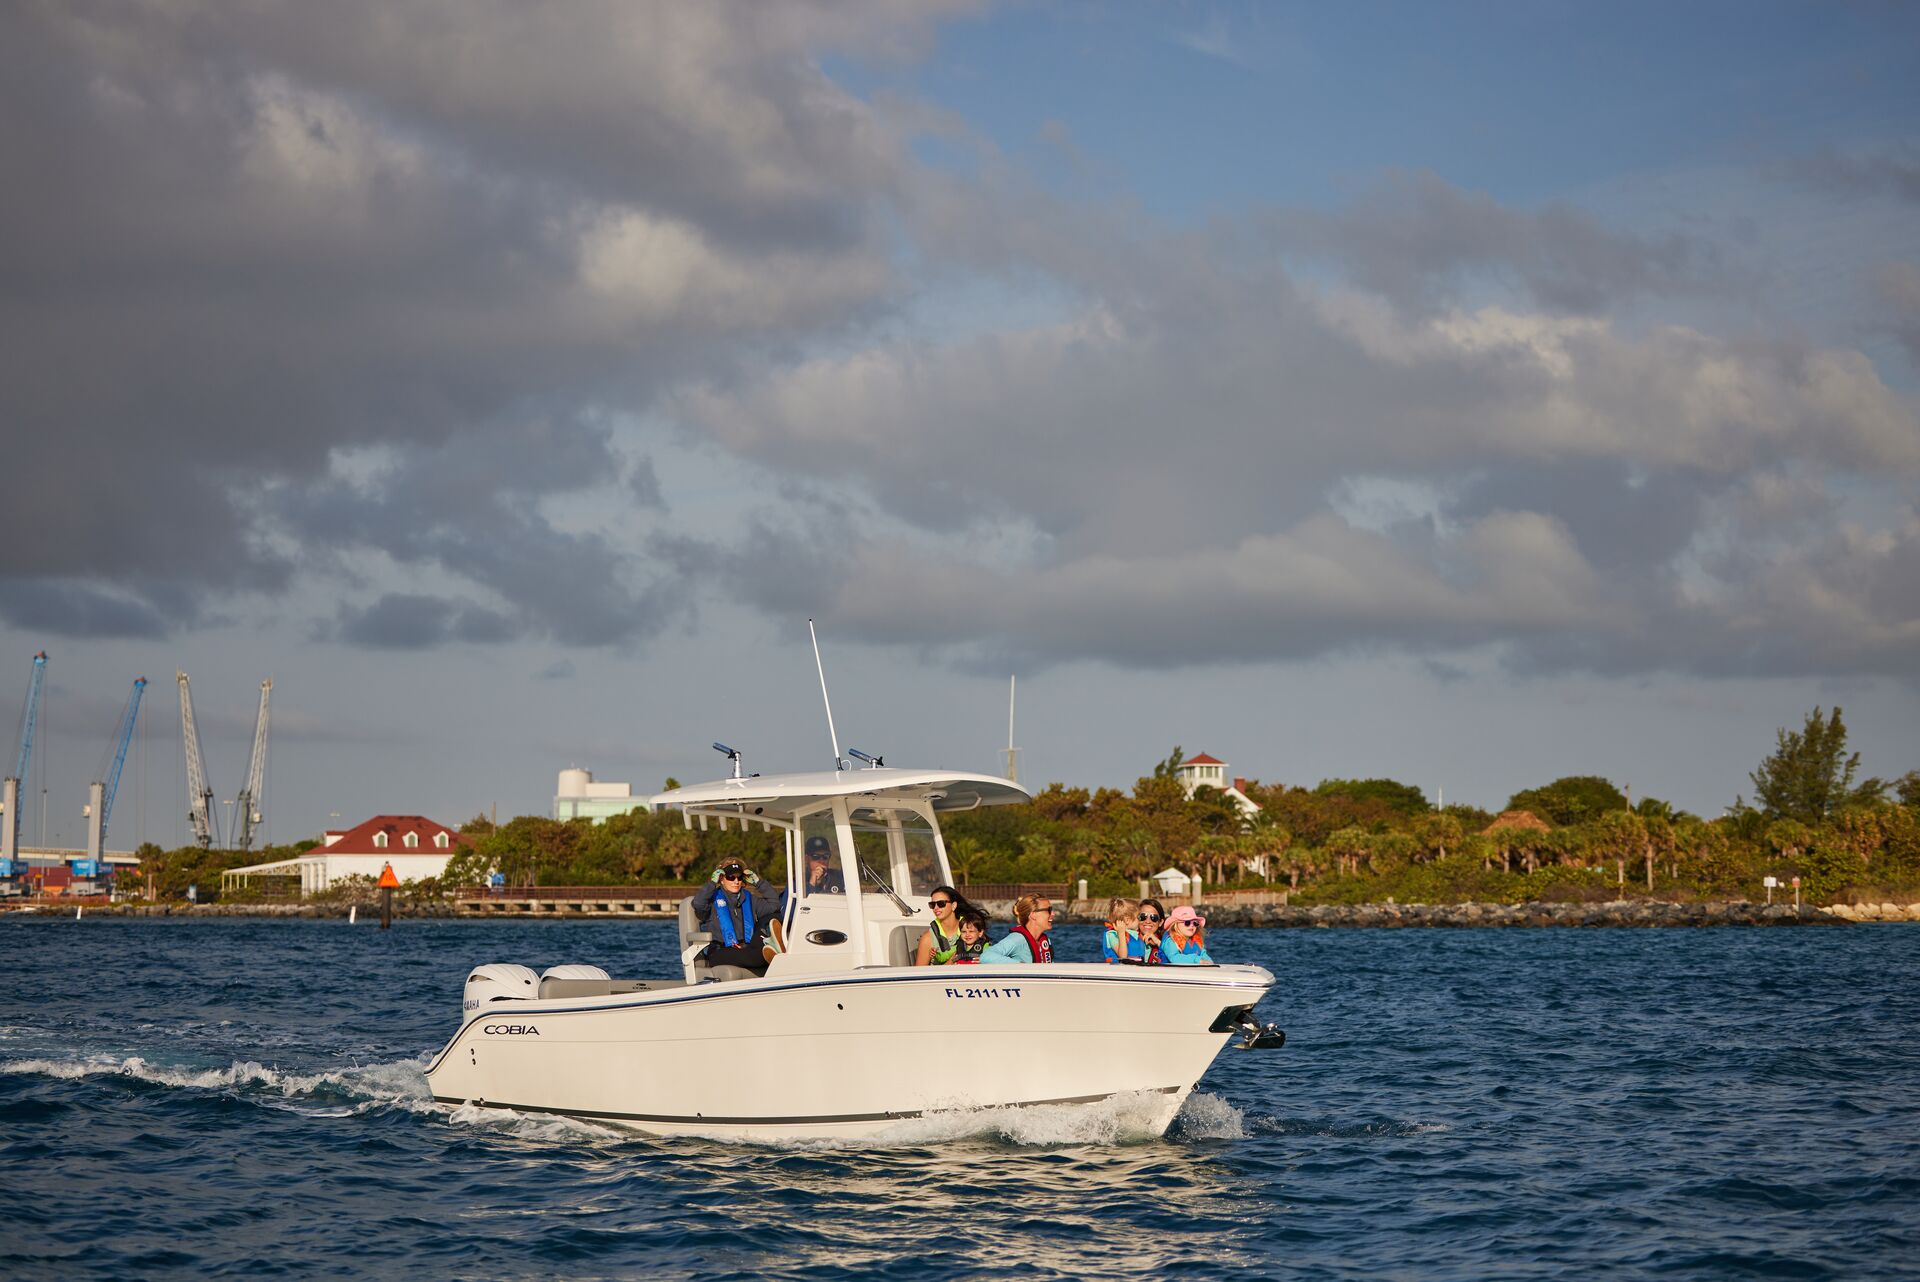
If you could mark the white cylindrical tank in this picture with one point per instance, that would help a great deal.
(574, 781)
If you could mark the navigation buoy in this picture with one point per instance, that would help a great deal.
(388, 884)
(353, 913)
(78, 911)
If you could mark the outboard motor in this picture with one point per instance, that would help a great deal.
(497, 982)
(574, 970)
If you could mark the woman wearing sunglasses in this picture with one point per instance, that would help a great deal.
(1029, 941)
(1186, 942)
(1153, 916)
(941, 941)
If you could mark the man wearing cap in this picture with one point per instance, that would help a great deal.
(822, 877)
(736, 906)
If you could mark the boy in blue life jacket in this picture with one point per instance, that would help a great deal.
(737, 906)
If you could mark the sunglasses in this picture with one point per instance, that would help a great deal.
(939, 903)
(1188, 922)
(732, 876)
(1149, 917)
(1043, 910)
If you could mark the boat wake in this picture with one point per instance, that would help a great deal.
(344, 1091)
(1129, 1118)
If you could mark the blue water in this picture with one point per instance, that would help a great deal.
(241, 1098)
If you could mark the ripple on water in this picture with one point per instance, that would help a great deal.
(1449, 1105)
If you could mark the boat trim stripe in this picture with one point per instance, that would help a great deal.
(737, 988)
(808, 1119)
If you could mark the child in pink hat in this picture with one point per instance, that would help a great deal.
(1185, 944)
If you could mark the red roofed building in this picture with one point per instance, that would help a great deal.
(1202, 771)
(417, 847)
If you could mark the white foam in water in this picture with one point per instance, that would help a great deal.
(1117, 1119)
(1208, 1117)
(402, 1082)
(546, 1127)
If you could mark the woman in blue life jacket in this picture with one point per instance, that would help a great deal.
(939, 943)
(1186, 942)
(1153, 920)
(1029, 941)
(736, 905)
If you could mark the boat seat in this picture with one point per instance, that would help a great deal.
(901, 944)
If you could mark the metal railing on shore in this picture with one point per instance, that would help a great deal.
(467, 894)
(1014, 889)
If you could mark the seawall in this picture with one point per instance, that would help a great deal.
(1627, 912)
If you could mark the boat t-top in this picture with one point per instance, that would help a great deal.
(843, 1036)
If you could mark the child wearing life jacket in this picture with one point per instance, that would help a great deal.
(973, 938)
(1186, 942)
(1122, 941)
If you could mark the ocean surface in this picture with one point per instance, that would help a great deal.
(244, 1098)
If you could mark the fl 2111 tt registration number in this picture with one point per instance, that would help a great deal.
(983, 992)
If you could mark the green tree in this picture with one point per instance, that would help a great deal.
(1620, 835)
(1166, 769)
(1400, 798)
(1571, 800)
(1809, 775)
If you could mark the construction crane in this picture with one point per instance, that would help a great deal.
(11, 787)
(199, 796)
(100, 792)
(246, 811)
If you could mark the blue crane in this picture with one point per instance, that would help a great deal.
(28, 717)
(16, 783)
(127, 721)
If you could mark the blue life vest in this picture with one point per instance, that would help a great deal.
(723, 913)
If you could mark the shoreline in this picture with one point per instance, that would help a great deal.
(1618, 913)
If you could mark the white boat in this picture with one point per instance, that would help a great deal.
(843, 1036)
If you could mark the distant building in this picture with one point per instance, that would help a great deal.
(579, 797)
(417, 847)
(1201, 771)
(1523, 819)
(1171, 881)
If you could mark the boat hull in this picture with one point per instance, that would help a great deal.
(852, 1055)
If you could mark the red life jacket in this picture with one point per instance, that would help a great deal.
(1042, 947)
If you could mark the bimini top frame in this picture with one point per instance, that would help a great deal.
(773, 800)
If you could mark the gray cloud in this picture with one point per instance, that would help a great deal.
(472, 510)
(411, 621)
(1879, 171)
(1897, 285)
(1415, 238)
(306, 304)
(259, 237)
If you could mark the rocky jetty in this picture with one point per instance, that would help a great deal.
(1624, 912)
(1876, 912)
(401, 911)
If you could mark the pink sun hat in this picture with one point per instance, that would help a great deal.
(1185, 912)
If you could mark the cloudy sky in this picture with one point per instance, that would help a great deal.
(1467, 394)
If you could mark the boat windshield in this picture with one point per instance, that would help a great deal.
(897, 846)
(815, 828)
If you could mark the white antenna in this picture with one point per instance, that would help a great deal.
(1013, 767)
(838, 762)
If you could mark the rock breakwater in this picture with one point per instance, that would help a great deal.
(1626, 912)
